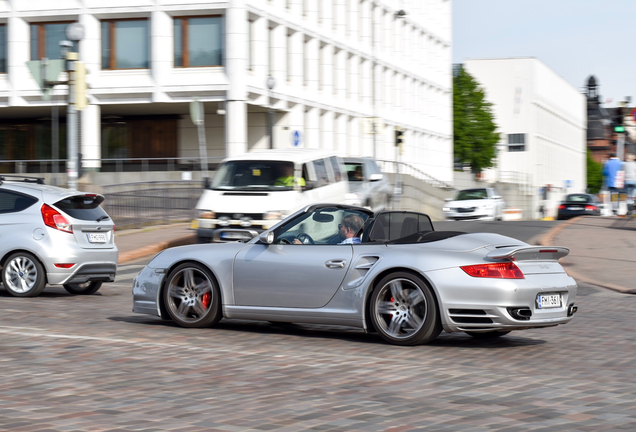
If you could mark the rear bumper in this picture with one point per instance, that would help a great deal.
(88, 272)
(487, 304)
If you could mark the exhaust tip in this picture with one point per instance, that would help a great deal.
(572, 309)
(521, 314)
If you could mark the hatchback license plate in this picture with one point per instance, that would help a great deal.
(97, 238)
(545, 301)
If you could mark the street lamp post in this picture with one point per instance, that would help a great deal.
(75, 33)
(271, 82)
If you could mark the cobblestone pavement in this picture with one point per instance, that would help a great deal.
(75, 363)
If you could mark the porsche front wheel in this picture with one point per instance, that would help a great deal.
(192, 297)
(404, 311)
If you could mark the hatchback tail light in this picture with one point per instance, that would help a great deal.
(506, 270)
(590, 208)
(54, 219)
(562, 207)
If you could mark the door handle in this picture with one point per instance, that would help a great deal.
(336, 264)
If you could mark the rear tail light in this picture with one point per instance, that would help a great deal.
(506, 270)
(590, 208)
(64, 265)
(562, 207)
(52, 218)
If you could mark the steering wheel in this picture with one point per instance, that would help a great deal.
(284, 241)
(305, 239)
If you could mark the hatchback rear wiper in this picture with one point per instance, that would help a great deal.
(101, 218)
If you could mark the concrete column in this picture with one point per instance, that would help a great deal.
(340, 72)
(354, 144)
(295, 7)
(326, 130)
(19, 77)
(341, 134)
(340, 17)
(236, 30)
(312, 127)
(364, 24)
(161, 52)
(311, 10)
(312, 51)
(326, 14)
(260, 53)
(353, 76)
(296, 69)
(278, 53)
(352, 20)
(326, 67)
(91, 133)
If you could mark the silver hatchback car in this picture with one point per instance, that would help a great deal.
(53, 235)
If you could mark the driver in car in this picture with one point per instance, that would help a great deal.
(348, 229)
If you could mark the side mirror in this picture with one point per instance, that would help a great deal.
(206, 182)
(376, 177)
(497, 197)
(448, 199)
(267, 237)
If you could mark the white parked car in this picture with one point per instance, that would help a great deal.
(474, 204)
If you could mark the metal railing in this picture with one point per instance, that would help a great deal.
(388, 166)
(20, 166)
(151, 203)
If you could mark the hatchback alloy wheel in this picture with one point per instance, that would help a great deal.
(23, 275)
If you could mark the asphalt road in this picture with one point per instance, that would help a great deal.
(78, 363)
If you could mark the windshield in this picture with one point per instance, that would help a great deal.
(256, 175)
(471, 194)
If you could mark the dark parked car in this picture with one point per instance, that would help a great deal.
(579, 204)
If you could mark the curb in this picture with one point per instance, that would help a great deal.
(547, 239)
(156, 248)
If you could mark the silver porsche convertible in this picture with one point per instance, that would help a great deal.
(389, 273)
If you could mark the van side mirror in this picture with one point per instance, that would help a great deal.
(267, 237)
(448, 199)
(497, 197)
(376, 177)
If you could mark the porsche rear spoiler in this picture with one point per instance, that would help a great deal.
(529, 253)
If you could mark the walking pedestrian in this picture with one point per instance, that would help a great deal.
(610, 169)
(630, 176)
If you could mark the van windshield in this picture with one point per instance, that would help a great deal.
(256, 175)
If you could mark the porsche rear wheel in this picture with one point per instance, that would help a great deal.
(192, 297)
(404, 310)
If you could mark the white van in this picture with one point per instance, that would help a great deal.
(252, 192)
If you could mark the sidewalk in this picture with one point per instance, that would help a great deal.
(138, 243)
(602, 251)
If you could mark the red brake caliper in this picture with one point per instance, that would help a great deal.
(206, 300)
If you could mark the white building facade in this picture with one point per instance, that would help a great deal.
(542, 121)
(335, 65)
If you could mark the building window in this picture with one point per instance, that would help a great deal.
(516, 142)
(198, 41)
(3, 48)
(46, 38)
(125, 44)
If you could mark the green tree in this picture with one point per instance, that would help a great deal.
(594, 174)
(474, 135)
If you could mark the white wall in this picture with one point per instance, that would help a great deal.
(530, 98)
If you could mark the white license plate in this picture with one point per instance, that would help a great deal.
(574, 208)
(97, 238)
(545, 301)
